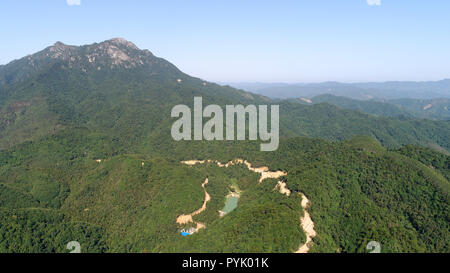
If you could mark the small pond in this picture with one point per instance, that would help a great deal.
(230, 204)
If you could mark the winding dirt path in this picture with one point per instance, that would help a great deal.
(306, 221)
(263, 171)
(282, 188)
(187, 218)
(307, 225)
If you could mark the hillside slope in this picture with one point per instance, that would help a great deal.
(436, 109)
(358, 192)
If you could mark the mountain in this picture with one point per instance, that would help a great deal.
(86, 155)
(314, 89)
(436, 109)
(114, 53)
(408, 89)
(114, 88)
(431, 108)
(105, 86)
(253, 86)
(360, 91)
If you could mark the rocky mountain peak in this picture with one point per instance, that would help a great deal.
(59, 45)
(110, 54)
(59, 50)
(116, 52)
(122, 42)
(119, 51)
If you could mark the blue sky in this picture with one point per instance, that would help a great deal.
(245, 40)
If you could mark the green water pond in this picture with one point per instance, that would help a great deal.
(230, 204)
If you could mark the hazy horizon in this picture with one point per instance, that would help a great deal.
(325, 81)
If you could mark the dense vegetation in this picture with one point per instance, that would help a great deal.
(87, 156)
(359, 192)
(36, 230)
(331, 122)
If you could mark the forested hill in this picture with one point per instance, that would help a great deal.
(436, 109)
(108, 87)
(115, 88)
(55, 189)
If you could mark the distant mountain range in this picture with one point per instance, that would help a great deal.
(361, 91)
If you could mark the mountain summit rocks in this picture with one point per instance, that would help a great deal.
(120, 52)
(113, 53)
(122, 41)
(116, 53)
